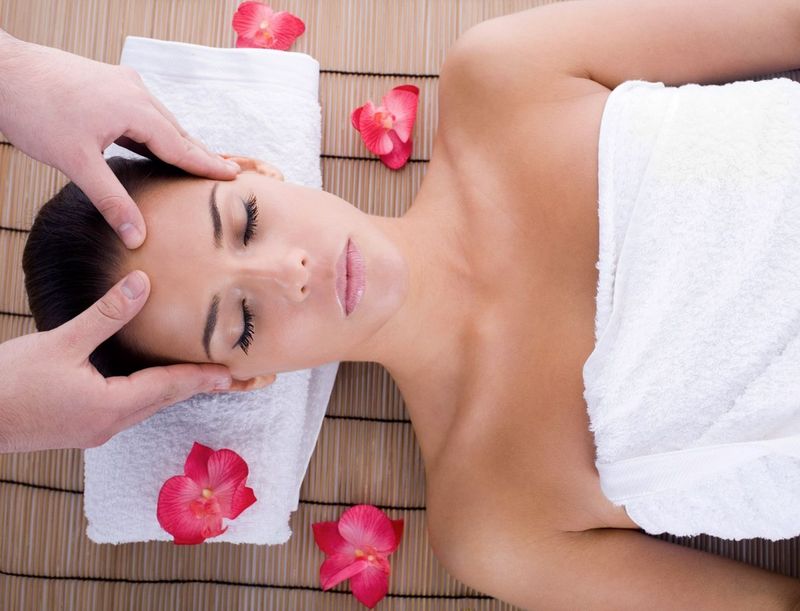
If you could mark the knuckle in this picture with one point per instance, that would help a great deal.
(110, 307)
(108, 204)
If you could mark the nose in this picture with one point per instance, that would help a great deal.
(288, 270)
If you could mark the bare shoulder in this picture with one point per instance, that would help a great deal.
(488, 90)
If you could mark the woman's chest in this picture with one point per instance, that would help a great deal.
(532, 214)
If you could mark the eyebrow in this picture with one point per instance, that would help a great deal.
(211, 322)
(215, 218)
(213, 310)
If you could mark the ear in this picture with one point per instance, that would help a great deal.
(248, 164)
(252, 383)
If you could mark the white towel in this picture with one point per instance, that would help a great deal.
(693, 387)
(260, 103)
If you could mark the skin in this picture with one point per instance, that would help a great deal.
(286, 274)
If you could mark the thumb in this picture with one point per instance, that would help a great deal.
(106, 316)
(104, 190)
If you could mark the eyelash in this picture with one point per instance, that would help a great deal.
(252, 218)
(247, 335)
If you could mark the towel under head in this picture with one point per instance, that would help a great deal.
(264, 104)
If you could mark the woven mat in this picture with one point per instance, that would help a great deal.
(366, 452)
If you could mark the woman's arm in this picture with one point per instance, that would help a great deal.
(616, 569)
(611, 41)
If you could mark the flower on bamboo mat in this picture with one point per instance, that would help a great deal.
(356, 547)
(386, 129)
(257, 25)
(191, 506)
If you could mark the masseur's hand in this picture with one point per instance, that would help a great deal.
(64, 110)
(52, 397)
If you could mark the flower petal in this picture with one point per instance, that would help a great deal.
(399, 154)
(355, 116)
(196, 465)
(173, 509)
(226, 470)
(339, 567)
(373, 133)
(242, 499)
(402, 103)
(397, 526)
(285, 28)
(327, 537)
(367, 526)
(370, 585)
(248, 17)
(242, 42)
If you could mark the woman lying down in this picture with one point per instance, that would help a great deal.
(591, 309)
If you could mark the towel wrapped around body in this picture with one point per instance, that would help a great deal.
(693, 386)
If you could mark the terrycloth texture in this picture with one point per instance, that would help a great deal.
(697, 355)
(264, 104)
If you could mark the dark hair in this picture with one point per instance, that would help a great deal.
(73, 257)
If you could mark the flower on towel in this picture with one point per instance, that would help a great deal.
(257, 25)
(191, 506)
(386, 130)
(356, 547)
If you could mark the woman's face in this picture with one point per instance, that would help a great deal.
(206, 289)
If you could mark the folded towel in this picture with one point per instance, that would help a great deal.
(264, 104)
(693, 386)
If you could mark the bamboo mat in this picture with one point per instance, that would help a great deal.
(366, 452)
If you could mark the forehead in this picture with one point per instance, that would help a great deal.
(178, 246)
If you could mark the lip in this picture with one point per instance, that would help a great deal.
(341, 279)
(350, 278)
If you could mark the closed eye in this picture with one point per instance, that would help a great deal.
(247, 334)
(251, 208)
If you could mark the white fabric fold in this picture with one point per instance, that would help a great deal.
(264, 104)
(693, 386)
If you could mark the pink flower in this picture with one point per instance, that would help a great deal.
(191, 506)
(257, 25)
(386, 130)
(356, 547)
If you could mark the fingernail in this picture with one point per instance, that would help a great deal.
(222, 383)
(130, 235)
(233, 165)
(133, 286)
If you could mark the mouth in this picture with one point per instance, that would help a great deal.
(350, 278)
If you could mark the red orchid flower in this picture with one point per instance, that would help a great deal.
(386, 130)
(257, 25)
(356, 547)
(191, 506)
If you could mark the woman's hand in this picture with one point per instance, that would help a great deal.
(52, 397)
(64, 110)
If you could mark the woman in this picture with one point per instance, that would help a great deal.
(480, 301)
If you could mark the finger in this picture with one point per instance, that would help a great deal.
(167, 114)
(172, 119)
(143, 393)
(136, 147)
(106, 316)
(164, 139)
(104, 190)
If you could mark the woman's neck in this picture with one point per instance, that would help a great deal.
(425, 344)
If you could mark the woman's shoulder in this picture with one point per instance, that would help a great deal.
(482, 113)
(479, 74)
